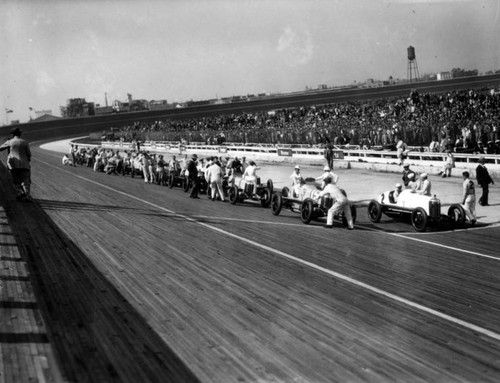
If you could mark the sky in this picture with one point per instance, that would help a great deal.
(182, 50)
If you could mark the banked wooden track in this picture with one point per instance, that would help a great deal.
(138, 283)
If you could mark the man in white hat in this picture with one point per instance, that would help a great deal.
(424, 185)
(327, 173)
(297, 181)
(412, 183)
(397, 192)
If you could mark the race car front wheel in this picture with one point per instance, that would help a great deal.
(307, 211)
(233, 195)
(276, 204)
(374, 211)
(456, 213)
(419, 219)
(265, 199)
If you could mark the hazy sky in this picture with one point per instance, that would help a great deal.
(180, 50)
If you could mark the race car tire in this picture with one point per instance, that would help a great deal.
(233, 195)
(307, 211)
(270, 186)
(374, 211)
(456, 213)
(276, 203)
(353, 215)
(419, 219)
(285, 192)
(265, 199)
(171, 181)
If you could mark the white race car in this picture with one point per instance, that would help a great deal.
(423, 210)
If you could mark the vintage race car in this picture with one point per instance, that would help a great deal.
(242, 190)
(178, 178)
(422, 210)
(307, 203)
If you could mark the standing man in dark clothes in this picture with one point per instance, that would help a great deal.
(18, 162)
(328, 155)
(483, 179)
(406, 174)
(193, 176)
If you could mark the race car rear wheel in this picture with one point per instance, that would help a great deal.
(276, 203)
(353, 215)
(419, 219)
(307, 211)
(270, 186)
(374, 211)
(233, 195)
(456, 213)
(265, 199)
(285, 192)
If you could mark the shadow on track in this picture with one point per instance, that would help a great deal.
(97, 334)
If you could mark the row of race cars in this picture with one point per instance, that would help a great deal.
(422, 211)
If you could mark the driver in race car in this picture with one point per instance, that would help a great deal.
(327, 173)
(340, 203)
(250, 176)
(297, 181)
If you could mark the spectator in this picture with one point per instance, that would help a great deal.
(19, 164)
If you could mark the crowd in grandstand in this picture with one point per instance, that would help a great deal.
(461, 121)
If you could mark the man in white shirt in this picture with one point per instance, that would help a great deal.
(327, 173)
(341, 203)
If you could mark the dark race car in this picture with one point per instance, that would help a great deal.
(245, 191)
(308, 203)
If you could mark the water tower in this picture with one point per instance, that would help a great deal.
(412, 71)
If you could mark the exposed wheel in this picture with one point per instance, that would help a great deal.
(456, 213)
(265, 200)
(276, 203)
(270, 186)
(307, 211)
(419, 219)
(285, 192)
(374, 211)
(353, 215)
(233, 195)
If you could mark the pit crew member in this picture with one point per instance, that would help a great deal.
(340, 202)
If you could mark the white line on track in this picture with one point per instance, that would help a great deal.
(405, 236)
(314, 266)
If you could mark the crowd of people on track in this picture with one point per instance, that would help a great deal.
(214, 171)
(461, 121)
